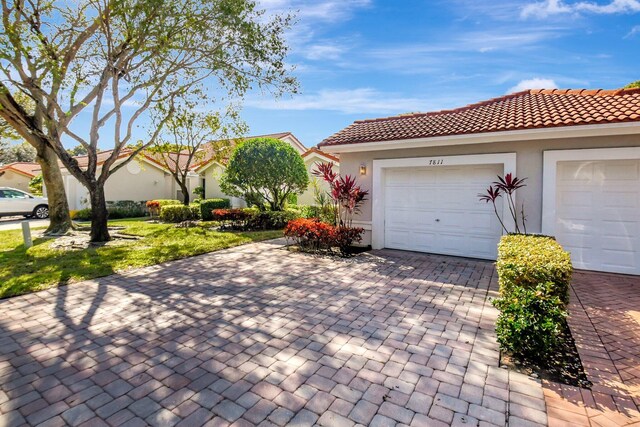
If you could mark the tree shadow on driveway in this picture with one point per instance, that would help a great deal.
(202, 337)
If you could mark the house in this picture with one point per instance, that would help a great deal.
(311, 158)
(578, 149)
(148, 177)
(18, 175)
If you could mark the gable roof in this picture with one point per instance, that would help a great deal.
(102, 156)
(320, 153)
(24, 168)
(531, 109)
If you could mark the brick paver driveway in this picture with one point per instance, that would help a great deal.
(257, 335)
(605, 323)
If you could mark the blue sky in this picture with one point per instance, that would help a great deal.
(359, 59)
(372, 58)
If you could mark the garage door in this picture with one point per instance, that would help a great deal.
(598, 214)
(437, 210)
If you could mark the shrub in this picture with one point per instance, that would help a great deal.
(125, 209)
(310, 234)
(81, 215)
(236, 218)
(531, 321)
(167, 202)
(525, 261)
(208, 205)
(272, 220)
(343, 238)
(179, 213)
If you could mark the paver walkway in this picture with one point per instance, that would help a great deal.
(605, 323)
(257, 335)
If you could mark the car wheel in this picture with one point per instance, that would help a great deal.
(41, 212)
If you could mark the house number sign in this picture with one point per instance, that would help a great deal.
(436, 162)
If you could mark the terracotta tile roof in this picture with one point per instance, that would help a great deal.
(25, 168)
(321, 153)
(531, 109)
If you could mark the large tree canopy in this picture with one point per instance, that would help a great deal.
(116, 60)
(265, 170)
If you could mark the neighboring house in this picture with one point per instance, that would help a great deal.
(311, 158)
(18, 175)
(140, 180)
(207, 172)
(578, 149)
(147, 178)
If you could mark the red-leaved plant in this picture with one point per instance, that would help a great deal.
(507, 185)
(346, 195)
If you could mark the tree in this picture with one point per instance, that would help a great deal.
(10, 128)
(116, 60)
(18, 153)
(35, 185)
(78, 150)
(265, 170)
(632, 85)
(191, 137)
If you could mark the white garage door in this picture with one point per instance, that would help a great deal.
(437, 210)
(598, 214)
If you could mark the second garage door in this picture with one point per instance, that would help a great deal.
(436, 210)
(598, 214)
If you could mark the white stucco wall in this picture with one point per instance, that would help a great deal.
(15, 180)
(308, 197)
(138, 181)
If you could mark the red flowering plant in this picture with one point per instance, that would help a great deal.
(154, 207)
(507, 185)
(231, 218)
(310, 234)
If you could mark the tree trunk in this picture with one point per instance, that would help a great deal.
(185, 193)
(59, 218)
(99, 229)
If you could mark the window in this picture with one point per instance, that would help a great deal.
(12, 194)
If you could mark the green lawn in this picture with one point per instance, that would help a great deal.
(41, 267)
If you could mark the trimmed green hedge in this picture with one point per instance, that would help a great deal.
(526, 261)
(208, 205)
(167, 202)
(534, 273)
(179, 213)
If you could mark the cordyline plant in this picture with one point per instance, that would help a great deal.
(347, 197)
(507, 185)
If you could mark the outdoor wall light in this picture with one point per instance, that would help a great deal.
(363, 169)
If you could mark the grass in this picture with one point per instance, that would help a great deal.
(41, 267)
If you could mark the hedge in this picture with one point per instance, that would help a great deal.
(534, 273)
(526, 261)
(208, 205)
(167, 202)
(180, 213)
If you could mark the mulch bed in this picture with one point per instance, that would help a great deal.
(563, 367)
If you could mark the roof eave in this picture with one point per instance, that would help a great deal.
(577, 131)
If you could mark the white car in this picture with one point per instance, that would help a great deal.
(16, 202)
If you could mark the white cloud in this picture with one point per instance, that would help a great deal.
(348, 101)
(324, 51)
(545, 9)
(616, 6)
(549, 8)
(320, 10)
(634, 31)
(535, 83)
